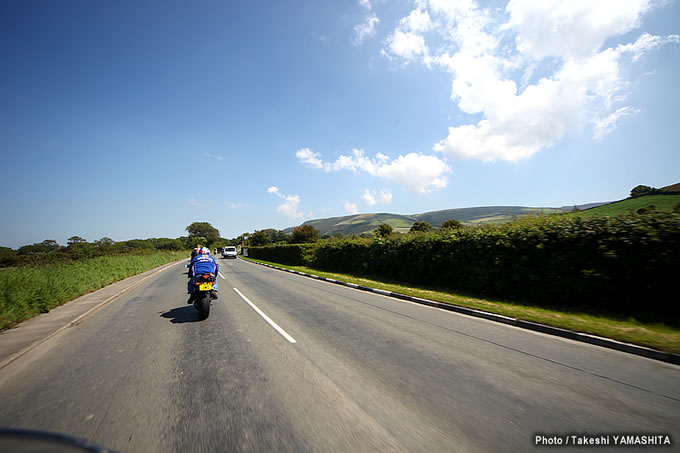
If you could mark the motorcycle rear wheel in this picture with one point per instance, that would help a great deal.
(203, 304)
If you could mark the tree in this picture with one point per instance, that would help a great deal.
(676, 208)
(196, 241)
(46, 246)
(420, 227)
(168, 244)
(383, 230)
(204, 230)
(639, 191)
(304, 233)
(104, 244)
(451, 224)
(8, 257)
(75, 240)
(139, 244)
(79, 247)
(260, 237)
(280, 236)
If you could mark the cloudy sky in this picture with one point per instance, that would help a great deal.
(132, 119)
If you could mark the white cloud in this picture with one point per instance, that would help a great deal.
(233, 205)
(647, 42)
(306, 156)
(372, 197)
(417, 21)
(570, 29)
(213, 156)
(406, 41)
(369, 197)
(365, 4)
(365, 29)
(608, 124)
(534, 72)
(290, 207)
(351, 208)
(416, 172)
(407, 45)
(385, 196)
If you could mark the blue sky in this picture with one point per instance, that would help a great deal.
(133, 119)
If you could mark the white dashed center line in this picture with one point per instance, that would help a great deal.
(266, 318)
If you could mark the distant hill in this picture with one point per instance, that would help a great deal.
(364, 223)
(359, 223)
(485, 214)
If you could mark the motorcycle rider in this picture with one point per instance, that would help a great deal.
(194, 252)
(202, 263)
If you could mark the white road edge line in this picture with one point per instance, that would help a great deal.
(283, 333)
(220, 273)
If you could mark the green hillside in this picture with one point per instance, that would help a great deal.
(484, 214)
(365, 223)
(359, 223)
(661, 202)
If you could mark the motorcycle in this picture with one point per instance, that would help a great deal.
(203, 286)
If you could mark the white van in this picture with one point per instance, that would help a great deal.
(229, 252)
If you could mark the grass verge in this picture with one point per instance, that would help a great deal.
(652, 335)
(28, 291)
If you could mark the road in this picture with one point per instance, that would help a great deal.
(345, 371)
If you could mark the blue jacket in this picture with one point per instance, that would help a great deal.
(203, 264)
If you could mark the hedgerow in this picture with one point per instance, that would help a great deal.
(622, 264)
(293, 254)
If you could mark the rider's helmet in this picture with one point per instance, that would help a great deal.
(205, 251)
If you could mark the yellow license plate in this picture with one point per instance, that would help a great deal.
(205, 286)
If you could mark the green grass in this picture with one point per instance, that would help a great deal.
(662, 203)
(656, 336)
(28, 291)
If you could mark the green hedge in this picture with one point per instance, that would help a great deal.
(623, 264)
(291, 254)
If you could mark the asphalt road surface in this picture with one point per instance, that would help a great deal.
(288, 363)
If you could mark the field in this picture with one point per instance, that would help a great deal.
(661, 202)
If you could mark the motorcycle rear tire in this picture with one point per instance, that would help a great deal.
(203, 304)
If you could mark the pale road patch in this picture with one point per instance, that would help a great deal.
(283, 333)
